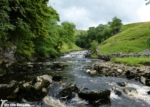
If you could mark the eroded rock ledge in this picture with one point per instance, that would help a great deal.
(141, 73)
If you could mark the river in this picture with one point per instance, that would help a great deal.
(137, 97)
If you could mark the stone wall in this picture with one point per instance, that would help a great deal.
(107, 57)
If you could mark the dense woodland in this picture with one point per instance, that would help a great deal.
(96, 35)
(31, 25)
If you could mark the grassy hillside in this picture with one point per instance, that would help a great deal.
(65, 48)
(132, 39)
(77, 32)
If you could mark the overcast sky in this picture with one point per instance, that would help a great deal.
(87, 13)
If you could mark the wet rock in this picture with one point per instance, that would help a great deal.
(122, 84)
(58, 65)
(147, 75)
(32, 91)
(130, 75)
(117, 92)
(94, 95)
(88, 71)
(143, 80)
(92, 72)
(148, 82)
(119, 70)
(36, 89)
(88, 55)
(42, 81)
(51, 102)
(7, 89)
(130, 91)
(30, 66)
(57, 78)
(68, 92)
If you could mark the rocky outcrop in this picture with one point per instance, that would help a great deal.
(68, 92)
(95, 96)
(92, 96)
(141, 74)
(32, 91)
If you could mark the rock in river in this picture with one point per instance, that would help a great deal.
(98, 96)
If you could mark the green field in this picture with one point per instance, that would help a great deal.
(66, 48)
(132, 38)
(132, 61)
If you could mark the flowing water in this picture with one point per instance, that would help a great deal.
(136, 96)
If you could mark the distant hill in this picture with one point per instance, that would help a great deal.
(65, 47)
(132, 38)
(77, 32)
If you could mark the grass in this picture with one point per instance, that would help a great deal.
(133, 61)
(65, 48)
(78, 32)
(132, 39)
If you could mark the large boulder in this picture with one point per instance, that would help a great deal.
(97, 96)
(7, 89)
(68, 92)
(32, 91)
(36, 89)
(42, 81)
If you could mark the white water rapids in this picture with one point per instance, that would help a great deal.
(134, 94)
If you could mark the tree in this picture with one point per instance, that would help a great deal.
(65, 34)
(5, 24)
(115, 25)
(94, 44)
(100, 32)
(81, 40)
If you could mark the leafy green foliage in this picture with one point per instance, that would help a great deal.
(99, 33)
(65, 34)
(32, 26)
(94, 44)
(148, 41)
(115, 25)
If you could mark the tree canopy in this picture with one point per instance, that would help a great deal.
(98, 34)
(32, 26)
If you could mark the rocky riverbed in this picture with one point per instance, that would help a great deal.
(73, 80)
(141, 73)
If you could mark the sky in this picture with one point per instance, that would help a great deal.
(89, 13)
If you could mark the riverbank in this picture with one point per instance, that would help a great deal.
(141, 73)
(69, 82)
